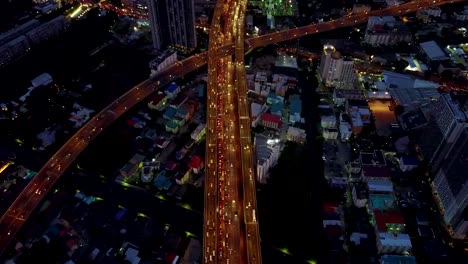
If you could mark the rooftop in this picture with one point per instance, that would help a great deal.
(172, 87)
(264, 150)
(349, 94)
(396, 259)
(330, 207)
(195, 162)
(375, 172)
(373, 159)
(170, 112)
(286, 61)
(382, 201)
(413, 119)
(255, 109)
(380, 186)
(433, 51)
(157, 98)
(397, 240)
(386, 219)
(162, 57)
(295, 104)
(277, 107)
(271, 118)
(361, 190)
(294, 131)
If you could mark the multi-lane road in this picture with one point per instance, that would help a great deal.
(29, 199)
(213, 158)
(228, 234)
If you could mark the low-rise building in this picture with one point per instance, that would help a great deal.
(183, 175)
(158, 102)
(432, 51)
(273, 99)
(162, 142)
(169, 113)
(271, 121)
(426, 14)
(183, 113)
(193, 253)
(196, 163)
(163, 61)
(132, 165)
(296, 135)
(172, 90)
(356, 122)
(328, 121)
(374, 173)
(341, 95)
(199, 132)
(393, 243)
(256, 112)
(354, 167)
(408, 163)
(345, 131)
(267, 152)
(330, 133)
(386, 30)
(171, 126)
(397, 259)
(359, 194)
(361, 8)
(295, 109)
(380, 186)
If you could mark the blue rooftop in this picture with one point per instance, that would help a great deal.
(172, 87)
(169, 113)
(181, 112)
(162, 182)
(295, 104)
(277, 107)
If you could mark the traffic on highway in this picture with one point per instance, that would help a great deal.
(224, 41)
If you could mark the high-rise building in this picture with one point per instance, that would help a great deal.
(172, 23)
(335, 70)
(447, 122)
(444, 144)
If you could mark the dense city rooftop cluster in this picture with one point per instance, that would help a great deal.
(319, 132)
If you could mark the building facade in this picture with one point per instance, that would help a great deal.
(172, 23)
(335, 70)
(267, 152)
(444, 145)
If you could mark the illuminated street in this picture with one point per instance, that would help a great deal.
(230, 203)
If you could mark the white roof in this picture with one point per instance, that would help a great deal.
(433, 51)
(294, 131)
(398, 240)
(42, 79)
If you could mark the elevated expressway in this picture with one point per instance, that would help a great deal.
(32, 195)
(224, 232)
